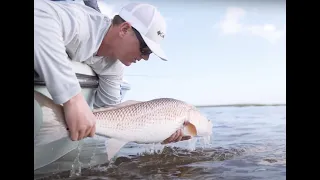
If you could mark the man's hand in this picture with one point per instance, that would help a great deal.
(175, 137)
(79, 117)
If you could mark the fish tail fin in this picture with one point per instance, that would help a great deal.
(49, 119)
(43, 100)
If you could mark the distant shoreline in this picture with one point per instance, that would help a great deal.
(240, 105)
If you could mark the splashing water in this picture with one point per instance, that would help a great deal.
(76, 166)
(248, 143)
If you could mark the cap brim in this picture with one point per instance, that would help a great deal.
(155, 48)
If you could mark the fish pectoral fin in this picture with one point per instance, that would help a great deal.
(189, 129)
(113, 146)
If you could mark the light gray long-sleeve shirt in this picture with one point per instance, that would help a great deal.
(65, 32)
(91, 3)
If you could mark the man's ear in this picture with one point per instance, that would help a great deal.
(124, 29)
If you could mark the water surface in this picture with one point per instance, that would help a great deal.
(247, 143)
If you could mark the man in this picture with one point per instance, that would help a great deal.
(71, 31)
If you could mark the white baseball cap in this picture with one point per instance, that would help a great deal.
(148, 21)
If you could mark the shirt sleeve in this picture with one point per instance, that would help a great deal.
(109, 91)
(51, 61)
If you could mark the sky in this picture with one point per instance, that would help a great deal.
(220, 52)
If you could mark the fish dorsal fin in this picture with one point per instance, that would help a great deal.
(189, 129)
(113, 147)
(102, 109)
(126, 103)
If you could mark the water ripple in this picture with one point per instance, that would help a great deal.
(247, 143)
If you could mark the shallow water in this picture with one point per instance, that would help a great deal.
(247, 143)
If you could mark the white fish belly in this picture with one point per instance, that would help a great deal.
(146, 131)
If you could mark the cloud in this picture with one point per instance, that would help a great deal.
(231, 24)
(266, 31)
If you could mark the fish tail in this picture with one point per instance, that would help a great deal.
(49, 119)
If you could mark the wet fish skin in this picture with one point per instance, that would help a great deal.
(150, 121)
(141, 122)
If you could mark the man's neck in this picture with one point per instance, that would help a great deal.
(106, 47)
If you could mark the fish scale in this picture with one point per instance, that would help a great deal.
(151, 121)
(143, 117)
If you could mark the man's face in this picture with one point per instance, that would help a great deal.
(132, 48)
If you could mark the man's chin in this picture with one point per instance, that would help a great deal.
(126, 63)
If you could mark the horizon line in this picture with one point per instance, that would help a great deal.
(241, 105)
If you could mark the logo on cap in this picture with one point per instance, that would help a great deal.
(161, 34)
